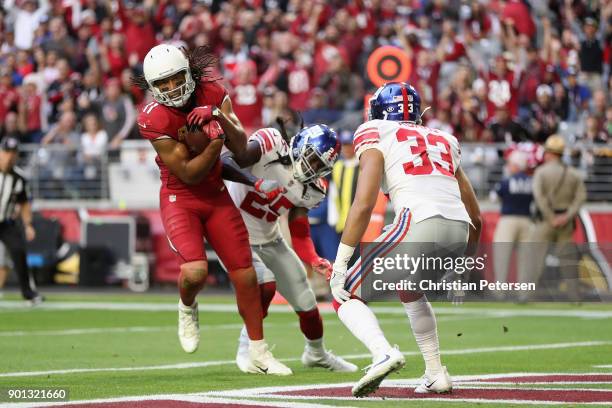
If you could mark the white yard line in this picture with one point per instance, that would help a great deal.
(603, 366)
(231, 362)
(147, 329)
(196, 398)
(8, 305)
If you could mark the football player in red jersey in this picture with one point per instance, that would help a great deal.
(193, 199)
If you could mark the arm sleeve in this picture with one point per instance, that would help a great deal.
(366, 137)
(269, 140)
(25, 195)
(302, 242)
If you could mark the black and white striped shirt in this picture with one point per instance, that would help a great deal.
(13, 191)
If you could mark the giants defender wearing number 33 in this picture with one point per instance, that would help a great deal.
(298, 170)
(433, 201)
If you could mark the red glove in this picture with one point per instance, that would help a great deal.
(200, 115)
(214, 130)
(323, 267)
(270, 188)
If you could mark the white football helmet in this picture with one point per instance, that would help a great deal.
(163, 61)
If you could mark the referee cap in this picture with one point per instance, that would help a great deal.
(9, 143)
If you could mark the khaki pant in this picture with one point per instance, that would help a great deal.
(510, 230)
(532, 264)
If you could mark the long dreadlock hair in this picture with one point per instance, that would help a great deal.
(201, 64)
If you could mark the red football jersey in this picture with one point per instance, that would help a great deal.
(157, 121)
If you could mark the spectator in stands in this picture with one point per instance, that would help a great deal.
(64, 132)
(544, 119)
(599, 104)
(138, 29)
(503, 129)
(58, 39)
(116, 111)
(513, 227)
(25, 18)
(94, 140)
(318, 111)
(8, 94)
(593, 133)
(591, 50)
(578, 95)
(113, 58)
(10, 127)
(30, 110)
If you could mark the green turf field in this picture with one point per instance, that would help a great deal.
(101, 346)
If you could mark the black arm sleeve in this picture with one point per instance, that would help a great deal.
(231, 171)
(24, 196)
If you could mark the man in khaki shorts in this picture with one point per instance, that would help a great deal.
(559, 192)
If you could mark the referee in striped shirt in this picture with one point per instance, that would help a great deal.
(14, 202)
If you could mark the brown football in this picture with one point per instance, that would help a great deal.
(196, 139)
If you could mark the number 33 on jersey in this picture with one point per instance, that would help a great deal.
(420, 165)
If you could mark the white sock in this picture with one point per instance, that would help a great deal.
(315, 346)
(184, 306)
(243, 339)
(257, 345)
(360, 320)
(423, 323)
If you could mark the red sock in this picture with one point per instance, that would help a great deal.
(311, 324)
(267, 291)
(248, 298)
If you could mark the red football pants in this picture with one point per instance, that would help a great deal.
(188, 220)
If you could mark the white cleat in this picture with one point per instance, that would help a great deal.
(439, 383)
(390, 362)
(189, 327)
(261, 361)
(327, 360)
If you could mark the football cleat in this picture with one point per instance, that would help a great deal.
(390, 362)
(189, 327)
(35, 301)
(261, 361)
(439, 383)
(327, 360)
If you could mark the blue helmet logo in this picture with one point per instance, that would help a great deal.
(397, 101)
(314, 151)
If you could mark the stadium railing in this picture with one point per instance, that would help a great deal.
(63, 177)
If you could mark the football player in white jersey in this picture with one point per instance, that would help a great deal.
(433, 201)
(299, 170)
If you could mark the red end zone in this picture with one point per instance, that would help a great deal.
(516, 388)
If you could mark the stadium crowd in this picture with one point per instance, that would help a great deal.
(496, 70)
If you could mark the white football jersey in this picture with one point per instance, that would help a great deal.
(259, 215)
(420, 165)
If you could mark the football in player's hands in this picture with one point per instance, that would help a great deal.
(196, 138)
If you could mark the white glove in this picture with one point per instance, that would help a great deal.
(337, 280)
